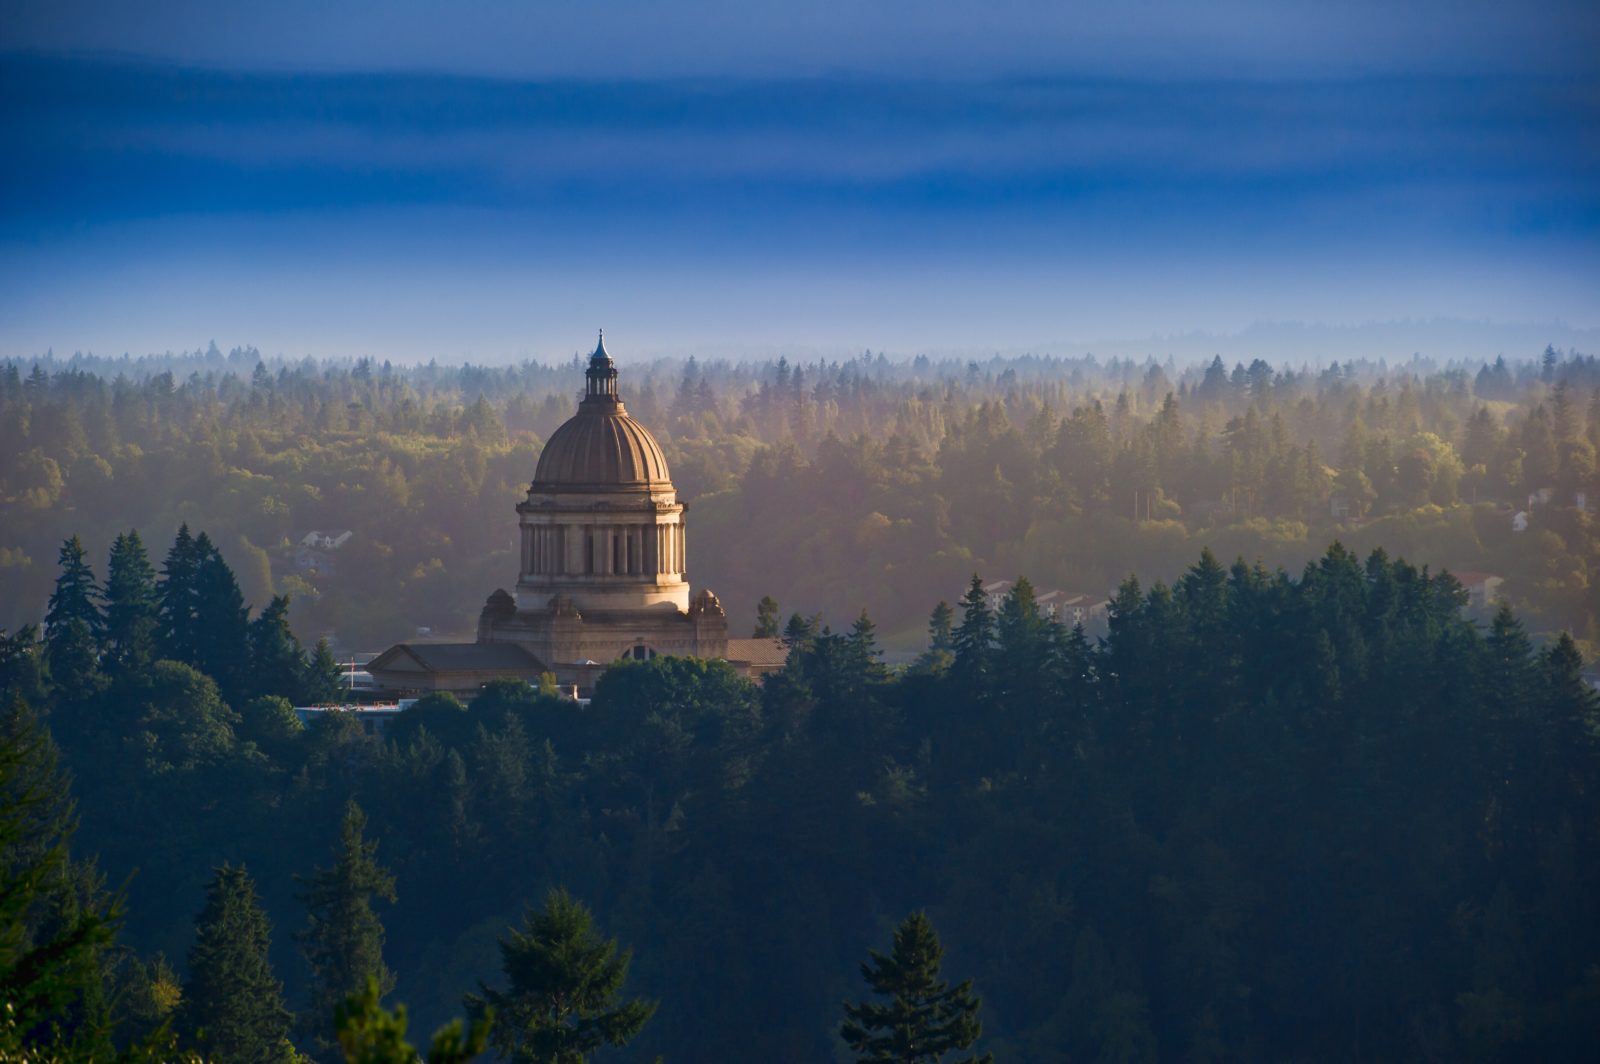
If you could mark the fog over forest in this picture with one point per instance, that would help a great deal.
(1291, 790)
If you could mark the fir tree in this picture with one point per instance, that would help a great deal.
(343, 941)
(52, 938)
(941, 623)
(925, 1017)
(766, 618)
(232, 1003)
(132, 604)
(278, 663)
(221, 621)
(322, 680)
(74, 625)
(564, 1002)
(367, 1033)
(177, 635)
(974, 639)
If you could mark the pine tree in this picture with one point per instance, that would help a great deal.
(565, 1000)
(766, 618)
(925, 1017)
(278, 663)
(74, 625)
(232, 1003)
(367, 1033)
(322, 680)
(221, 621)
(940, 627)
(974, 639)
(51, 943)
(133, 604)
(343, 941)
(177, 637)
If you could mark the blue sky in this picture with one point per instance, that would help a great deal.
(494, 181)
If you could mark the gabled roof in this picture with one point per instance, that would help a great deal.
(758, 651)
(455, 657)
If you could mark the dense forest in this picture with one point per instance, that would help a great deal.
(909, 475)
(1314, 816)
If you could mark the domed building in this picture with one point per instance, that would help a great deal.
(603, 567)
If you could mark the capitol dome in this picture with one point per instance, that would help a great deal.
(601, 448)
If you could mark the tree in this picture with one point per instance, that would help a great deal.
(74, 625)
(564, 1001)
(133, 604)
(974, 639)
(277, 662)
(233, 1004)
(369, 1034)
(50, 945)
(925, 1017)
(343, 939)
(766, 618)
(176, 629)
(221, 621)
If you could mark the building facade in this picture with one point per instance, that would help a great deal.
(602, 567)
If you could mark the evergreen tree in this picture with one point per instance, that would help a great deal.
(367, 1033)
(278, 663)
(343, 941)
(564, 999)
(322, 681)
(232, 1003)
(940, 627)
(925, 1017)
(221, 621)
(51, 942)
(177, 635)
(800, 631)
(133, 604)
(74, 625)
(974, 639)
(766, 618)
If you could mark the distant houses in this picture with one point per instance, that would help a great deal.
(1068, 607)
(312, 550)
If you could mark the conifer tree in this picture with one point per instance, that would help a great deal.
(74, 625)
(177, 637)
(51, 943)
(132, 604)
(323, 680)
(941, 624)
(278, 663)
(221, 621)
(232, 1003)
(925, 1017)
(766, 618)
(564, 1002)
(343, 941)
(974, 639)
(368, 1033)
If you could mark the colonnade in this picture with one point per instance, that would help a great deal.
(604, 550)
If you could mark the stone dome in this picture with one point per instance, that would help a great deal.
(601, 448)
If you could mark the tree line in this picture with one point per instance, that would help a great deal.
(1074, 470)
(1324, 815)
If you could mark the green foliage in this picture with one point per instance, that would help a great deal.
(367, 1033)
(766, 619)
(925, 1017)
(232, 1003)
(51, 945)
(563, 1002)
(343, 939)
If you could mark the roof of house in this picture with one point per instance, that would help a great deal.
(758, 651)
(455, 657)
